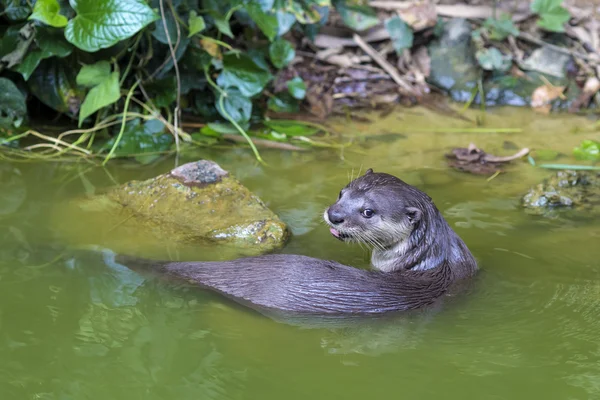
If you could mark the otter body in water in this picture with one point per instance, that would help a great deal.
(416, 258)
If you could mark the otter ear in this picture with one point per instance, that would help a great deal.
(369, 171)
(414, 214)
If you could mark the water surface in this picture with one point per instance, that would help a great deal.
(75, 326)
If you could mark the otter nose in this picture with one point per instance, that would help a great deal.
(335, 217)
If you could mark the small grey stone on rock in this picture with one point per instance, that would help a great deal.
(199, 173)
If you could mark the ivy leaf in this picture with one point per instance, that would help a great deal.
(13, 109)
(492, 59)
(281, 52)
(51, 43)
(552, 15)
(283, 102)
(266, 5)
(48, 12)
(102, 95)
(54, 84)
(285, 21)
(223, 26)
(196, 23)
(267, 23)
(241, 72)
(16, 10)
(588, 150)
(500, 29)
(297, 88)
(400, 32)
(138, 138)
(94, 74)
(236, 106)
(358, 18)
(291, 127)
(101, 24)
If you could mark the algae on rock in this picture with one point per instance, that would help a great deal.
(572, 190)
(196, 203)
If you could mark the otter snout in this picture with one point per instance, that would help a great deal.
(335, 216)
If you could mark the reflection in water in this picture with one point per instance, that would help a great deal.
(75, 325)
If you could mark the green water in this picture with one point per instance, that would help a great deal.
(78, 327)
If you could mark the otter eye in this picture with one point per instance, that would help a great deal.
(367, 213)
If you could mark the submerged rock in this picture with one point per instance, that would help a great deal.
(572, 190)
(196, 203)
(453, 64)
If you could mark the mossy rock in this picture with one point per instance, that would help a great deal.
(565, 191)
(197, 203)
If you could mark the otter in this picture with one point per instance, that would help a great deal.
(416, 259)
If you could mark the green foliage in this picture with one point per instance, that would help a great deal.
(240, 71)
(13, 109)
(145, 141)
(501, 28)
(281, 52)
(48, 12)
(196, 23)
(357, 17)
(400, 33)
(493, 60)
(552, 15)
(90, 60)
(297, 88)
(587, 150)
(101, 24)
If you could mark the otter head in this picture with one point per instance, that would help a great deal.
(377, 209)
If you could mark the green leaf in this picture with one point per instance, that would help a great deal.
(241, 72)
(16, 10)
(54, 84)
(492, 59)
(235, 106)
(285, 21)
(94, 74)
(223, 26)
(105, 94)
(267, 22)
(500, 29)
(196, 23)
(219, 127)
(282, 103)
(552, 15)
(101, 24)
(163, 91)
(297, 88)
(281, 52)
(401, 34)
(51, 44)
(13, 109)
(139, 138)
(358, 18)
(588, 150)
(29, 64)
(48, 12)
(291, 127)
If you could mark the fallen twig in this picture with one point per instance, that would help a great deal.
(389, 68)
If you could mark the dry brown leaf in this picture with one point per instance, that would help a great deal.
(419, 16)
(211, 47)
(375, 34)
(543, 95)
